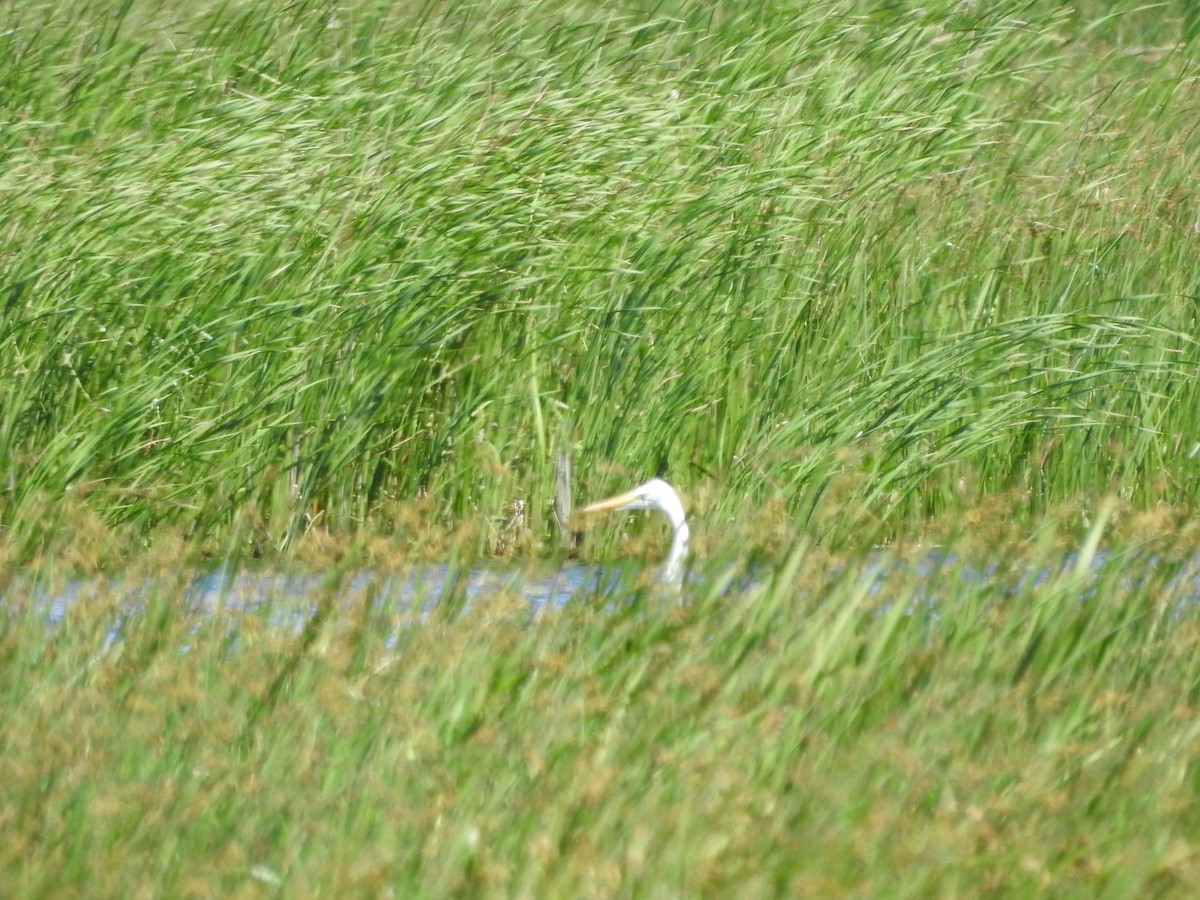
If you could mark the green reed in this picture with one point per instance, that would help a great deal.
(341, 281)
(270, 273)
(822, 731)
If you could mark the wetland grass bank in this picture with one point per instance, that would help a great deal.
(330, 284)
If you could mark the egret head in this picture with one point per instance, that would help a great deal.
(655, 494)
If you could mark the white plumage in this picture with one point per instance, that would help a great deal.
(656, 494)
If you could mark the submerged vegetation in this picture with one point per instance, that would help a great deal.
(335, 283)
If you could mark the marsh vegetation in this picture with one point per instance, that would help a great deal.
(330, 285)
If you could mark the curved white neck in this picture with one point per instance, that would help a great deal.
(673, 568)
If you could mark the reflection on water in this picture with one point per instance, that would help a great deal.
(288, 601)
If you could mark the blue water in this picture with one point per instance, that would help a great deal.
(289, 601)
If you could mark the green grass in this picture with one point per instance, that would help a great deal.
(808, 737)
(334, 284)
(262, 272)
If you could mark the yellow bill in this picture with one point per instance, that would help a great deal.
(617, 502)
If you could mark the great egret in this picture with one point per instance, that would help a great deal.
(656, 494)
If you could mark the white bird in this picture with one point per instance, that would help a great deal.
(656, 494)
